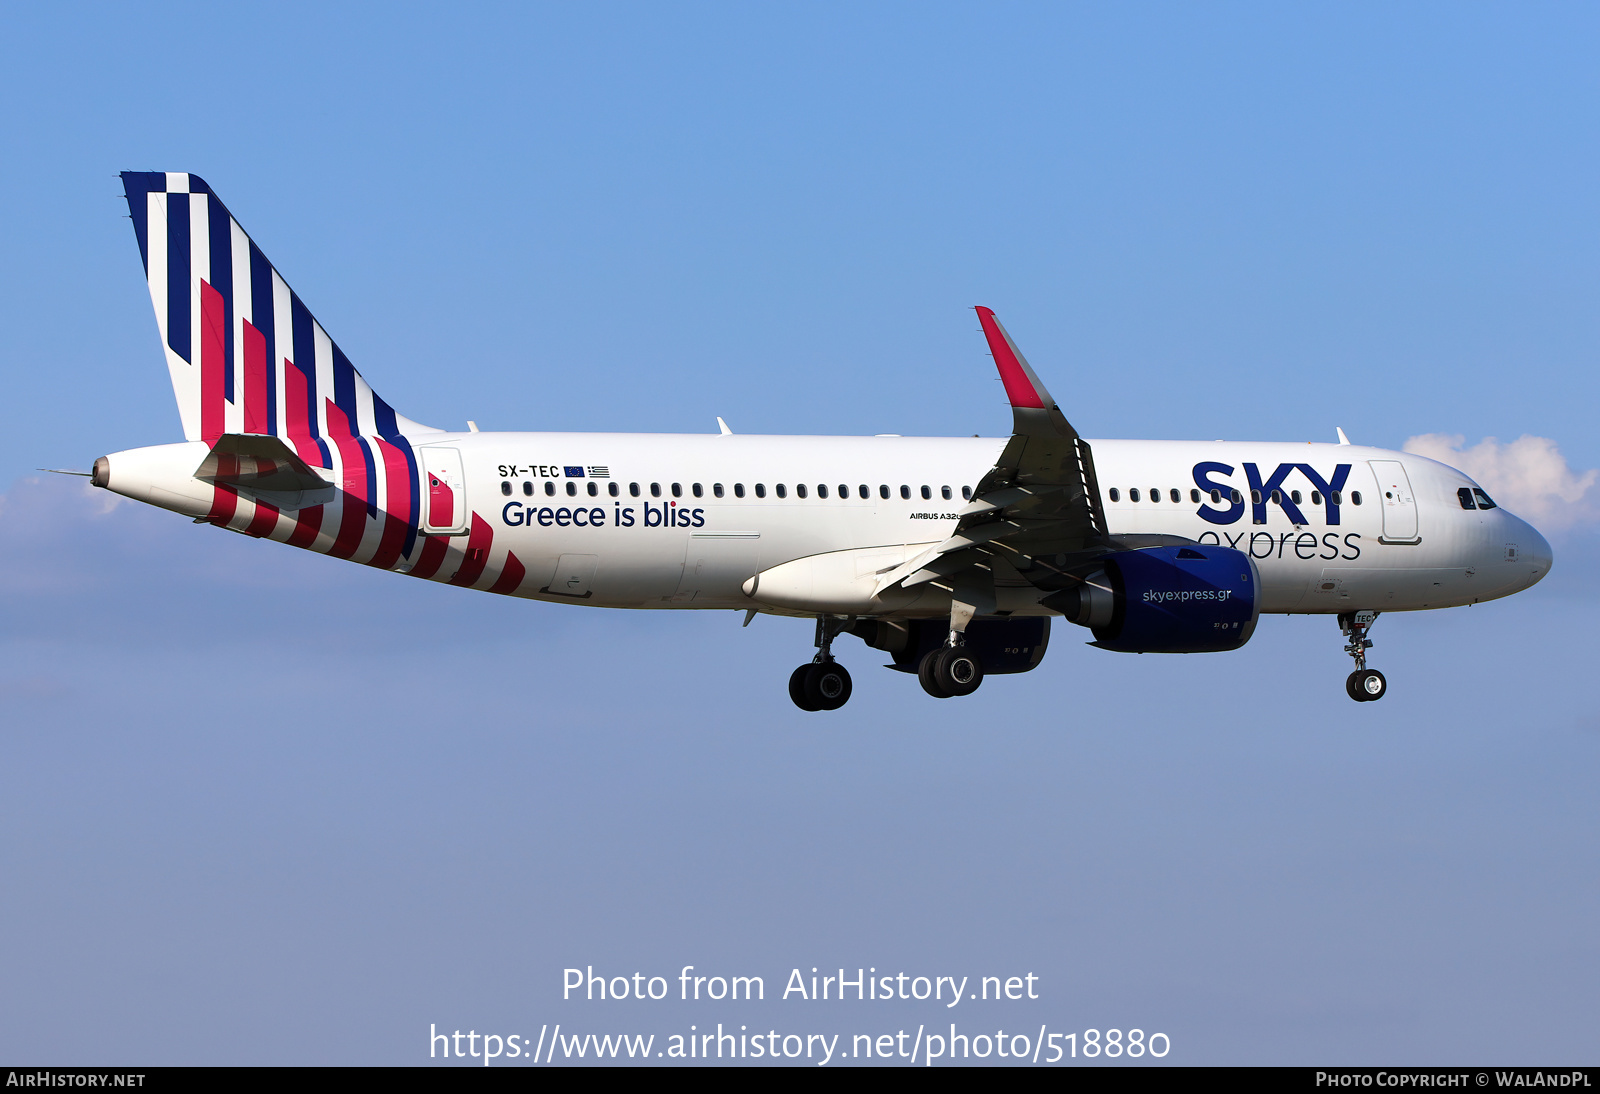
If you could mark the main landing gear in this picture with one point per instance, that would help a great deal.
(822, 683)
(1364, 685)
(950, 670)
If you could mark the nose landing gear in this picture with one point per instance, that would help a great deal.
(822, 683)
(1363, 685)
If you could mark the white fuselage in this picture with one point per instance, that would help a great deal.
(694, 519)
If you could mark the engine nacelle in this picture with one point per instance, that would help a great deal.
(1198, 599)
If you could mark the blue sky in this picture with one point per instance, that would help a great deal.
(267, 807)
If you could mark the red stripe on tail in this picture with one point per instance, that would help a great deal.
(296, 408)
(265, 521)
(224, 502)
(396, 505)
(213, 363)
(479, 540)
(433, 552)
(353, 504)
(255, 380)
(308, 522)
(510, 577)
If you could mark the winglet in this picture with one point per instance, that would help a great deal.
(1022, 386)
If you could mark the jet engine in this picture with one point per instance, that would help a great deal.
(1175, 599)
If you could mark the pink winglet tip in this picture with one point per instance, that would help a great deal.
(1019, 389)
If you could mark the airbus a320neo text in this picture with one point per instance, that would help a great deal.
(951, 555)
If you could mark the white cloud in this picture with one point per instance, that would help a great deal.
(1529, 476)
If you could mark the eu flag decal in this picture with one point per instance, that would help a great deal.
(573, 472)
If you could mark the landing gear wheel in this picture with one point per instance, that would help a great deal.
(797, 686)
(950, 671)
(827, 686)
(1366, 685)
(927, 674)
(959, 671)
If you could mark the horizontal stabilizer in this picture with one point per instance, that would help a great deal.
(257, 461)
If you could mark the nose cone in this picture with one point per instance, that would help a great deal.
(1533, 552)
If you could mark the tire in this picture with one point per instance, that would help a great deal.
(958, 670)
(927, 674)
(1374, 685)
(797, 686)
(827, 686)
(1366, 685)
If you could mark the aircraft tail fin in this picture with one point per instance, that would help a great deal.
(245, 355)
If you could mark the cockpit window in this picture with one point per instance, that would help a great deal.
(1483, 499)
(1465, 494)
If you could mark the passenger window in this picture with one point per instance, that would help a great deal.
(1175, 496)
(1133, 494)
(1194, 496)
(1294, 496)
(966, 492)
(1155, 495)
(1465, 494)
(1483, 499)
(633, 490)
(1255, 497)
(677, 489)
(1216, 497)
(883, 491)
(594, 489)
(1116, 495)
(1277, 497)
(927, 494)
(799, 489)
(549, 488)
(738, 489)
(505, 488)
(527, 488)
(944, 492)
(865, 491)
(698, 490)
(1337, 497)
(716, 489)
(1316, 498)
(905, 492)
(613, 489)
(1355, 497)
(822, 490)
(1234, 496)
(655, 490)
(781, 490)
(761, 489)
(572, 489)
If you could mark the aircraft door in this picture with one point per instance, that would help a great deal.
(1399, 504)
(445, 488)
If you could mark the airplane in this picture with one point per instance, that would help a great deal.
(951, 555)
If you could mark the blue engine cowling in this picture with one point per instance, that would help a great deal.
(1184, 599)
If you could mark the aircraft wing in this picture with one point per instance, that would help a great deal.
(1036, 514)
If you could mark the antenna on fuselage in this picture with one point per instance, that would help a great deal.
(723, 427)
(1342, 438)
